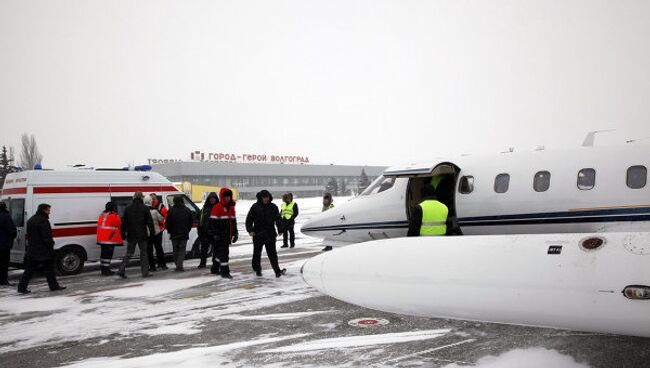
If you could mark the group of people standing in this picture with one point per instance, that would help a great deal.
(218, 230)
(142, 225)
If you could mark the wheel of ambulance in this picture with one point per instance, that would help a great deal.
(70, 261)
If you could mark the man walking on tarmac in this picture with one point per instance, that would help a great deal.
(328, 203)
(429, 217)
(8, 233)
(223, 228)
(261, 222)
(137, 224)
(289, 214)
(39, 250)
(109, 235)
(204, 221)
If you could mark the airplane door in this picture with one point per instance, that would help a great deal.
(17, 211)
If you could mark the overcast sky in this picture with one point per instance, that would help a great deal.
(347, 82)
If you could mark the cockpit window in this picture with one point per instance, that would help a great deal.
(382, 184)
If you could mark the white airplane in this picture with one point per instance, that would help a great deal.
(586, 282)
(558, 239)
(581, 190)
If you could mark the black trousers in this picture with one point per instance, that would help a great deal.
(105, 258)
(289, 233)
(144, 258)
(205, 247)
(5, 255)
(156, 242)
(30, 266)
(271, 253)
(221, 255)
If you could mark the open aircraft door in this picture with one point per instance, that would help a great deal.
(442, 175)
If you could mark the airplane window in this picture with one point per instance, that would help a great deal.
(542, 181)
(586, 179)
(466, 185)
(501, 183)
(380, 185)
(637, 176)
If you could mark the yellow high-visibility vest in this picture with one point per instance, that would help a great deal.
(434, 218)
(287, 210)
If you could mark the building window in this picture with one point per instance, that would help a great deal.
(466, 185)
(542, 181)
(586, 179)
(501, 183)
(637, 176)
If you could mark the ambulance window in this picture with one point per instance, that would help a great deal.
(586, 179)
(17, 209)
(466, 185)
(186, 201)
(382, 184)
(501, 183)
(637, 176)
(121, 203)
(542, 181)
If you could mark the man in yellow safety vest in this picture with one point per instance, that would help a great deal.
(429, 217)
(288, 212)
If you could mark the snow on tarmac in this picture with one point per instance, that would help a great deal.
(195, 357)
(529, 358)
(126, 312)
(360, 341)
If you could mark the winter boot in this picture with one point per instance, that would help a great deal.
(225, 272)
(215, 269)
(202, 264)
(258, 273)
(282, 272)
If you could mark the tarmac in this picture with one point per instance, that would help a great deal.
(196, 319)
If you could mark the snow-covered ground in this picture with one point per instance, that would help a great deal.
(195, 319)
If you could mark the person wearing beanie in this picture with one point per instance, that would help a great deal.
(179, 225)
(261, 222)
(204, 221)
(108, 236)
(137, 224)
(39, 250)
(8, 233)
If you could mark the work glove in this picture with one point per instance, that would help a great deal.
(234, 238)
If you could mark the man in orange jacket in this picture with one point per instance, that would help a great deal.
(108, 236)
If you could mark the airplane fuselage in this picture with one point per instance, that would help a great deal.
(589, 189)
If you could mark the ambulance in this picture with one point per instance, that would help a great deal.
(77, 198)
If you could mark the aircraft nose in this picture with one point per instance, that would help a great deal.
(311, 272)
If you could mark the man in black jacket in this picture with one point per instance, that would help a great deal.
(204, 220)
(261, 222)
(137, 224)
(39, 250)
(7, 235)
(179, 224)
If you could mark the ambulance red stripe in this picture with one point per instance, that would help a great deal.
(9, 191)
(74, 231)
(103, 189)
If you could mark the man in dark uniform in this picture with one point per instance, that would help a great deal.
(137, 224)
(39, 250)
(204, 220)
(261, 222)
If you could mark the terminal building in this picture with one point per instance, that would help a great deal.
(250, 178)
